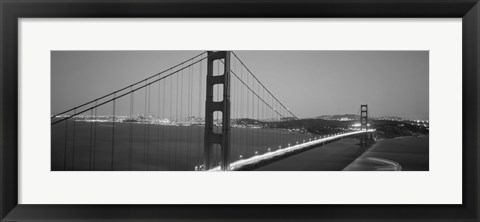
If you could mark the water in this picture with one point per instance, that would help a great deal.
(402, 153)
(142, 147)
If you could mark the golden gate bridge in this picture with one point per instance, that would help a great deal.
(207, 113)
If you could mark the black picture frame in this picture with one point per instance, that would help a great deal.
(12, 10)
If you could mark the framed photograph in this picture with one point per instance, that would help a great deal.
(226, 110)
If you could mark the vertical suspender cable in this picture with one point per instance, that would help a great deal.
(95, 136)
(158, 124)
(180, 127)
(148, 126)
(190, 90)
(200, 77)
(73, 142)
(242, 105)
(263, 119)
(258, 116)
(248, 117)
(170, 115)
(254, 119)
(145, 130)
(176, 120)
(233, 137)
(130, 132)
(163, 119)
(65, 149)
(252, 144)
(113, 133)
(91, 140)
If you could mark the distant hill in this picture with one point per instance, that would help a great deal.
(392, 128)
(334, 124)
(391, 118)
(342, 117)
(385, 128)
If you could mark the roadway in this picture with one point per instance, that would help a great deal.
(331, 157)
(279, 154)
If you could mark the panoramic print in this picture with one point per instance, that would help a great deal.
(239, 110)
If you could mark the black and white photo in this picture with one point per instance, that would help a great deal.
(240, 110)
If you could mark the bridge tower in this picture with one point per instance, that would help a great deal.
(364, 124)
(211, 138)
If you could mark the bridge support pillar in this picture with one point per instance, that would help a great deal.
(211, 138)
(364, 124)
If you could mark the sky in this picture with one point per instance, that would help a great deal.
(309, 83)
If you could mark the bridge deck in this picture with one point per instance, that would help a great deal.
(277, 153)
